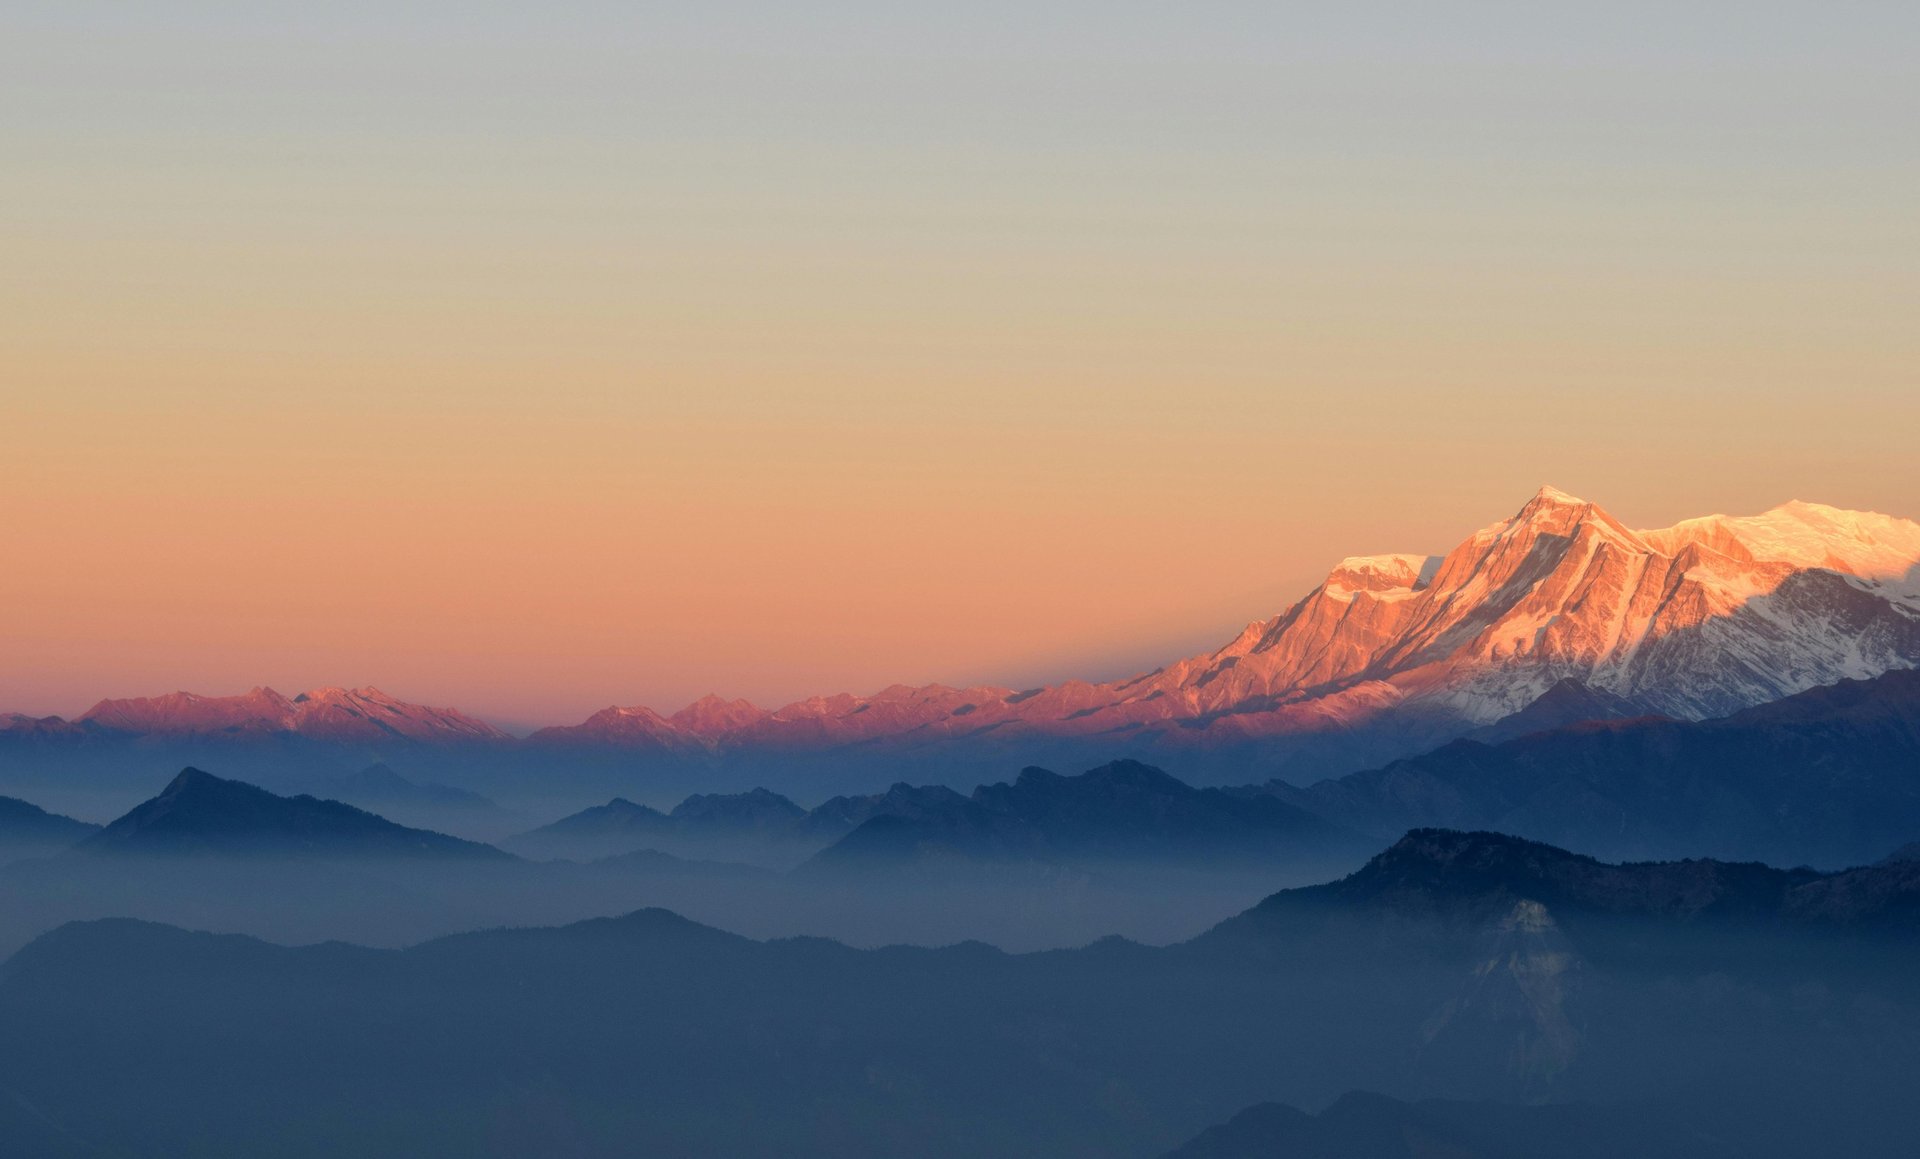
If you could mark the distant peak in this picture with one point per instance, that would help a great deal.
(1436, 854)
(1549, 494)
(1378, 573)
(189, 778)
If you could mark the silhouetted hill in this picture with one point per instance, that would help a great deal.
(1568, 702)
(1446, 873)
(621, 826)
(841, 815)
(1467, 967)
(1123, 811)
(1829, 777)
(730, 825)
(199, 813)
(756, 809)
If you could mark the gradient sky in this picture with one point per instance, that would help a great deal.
(535, 358)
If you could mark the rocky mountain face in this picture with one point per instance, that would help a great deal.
(1695, 620)
(1391, 655)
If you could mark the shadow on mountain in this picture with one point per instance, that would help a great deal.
(1829, 777)
(757, 827)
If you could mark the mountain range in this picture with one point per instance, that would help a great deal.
(1390, 655)
(1775, 1012)
(1829, 776)
(356, 715)
(199, 813)
(1122, 812)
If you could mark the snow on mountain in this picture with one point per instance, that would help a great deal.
(712, 715)
(638, 727)
(339, 714)
(1694, 620)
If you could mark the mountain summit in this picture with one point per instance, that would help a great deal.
(1390, 655)
(339, 714)
(199, 813)
(1695, 620)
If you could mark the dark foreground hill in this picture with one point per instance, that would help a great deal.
(199, 813)
(1120, 812)
(1469, 967)
(1828, 777)
(1123, 812)
(759, 826)
(210, 853)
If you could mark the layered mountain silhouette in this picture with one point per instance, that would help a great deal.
(26, 829)
(338, 714)
(1830, 776)
(1782, 1005)
(1558, 612)
(199, 813)
(1693, 620)
(1123, 811)
(702, 821)
(1478, 879)
(1827, 777)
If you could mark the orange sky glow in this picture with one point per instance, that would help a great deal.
(512, 383)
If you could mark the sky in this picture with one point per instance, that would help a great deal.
(532, 359)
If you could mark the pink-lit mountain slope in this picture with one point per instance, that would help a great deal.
(1693, 620)
(1391, 654)
(356, 715)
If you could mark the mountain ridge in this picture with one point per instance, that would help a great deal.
(1455, 966)
(1390, 654)
(199, 813)
(1825, 776)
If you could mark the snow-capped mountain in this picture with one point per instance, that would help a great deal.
(1389, 655)
(355, 715)
(1694, 620)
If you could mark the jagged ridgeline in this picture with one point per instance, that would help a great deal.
(1689, 1008)
(1556, 613)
